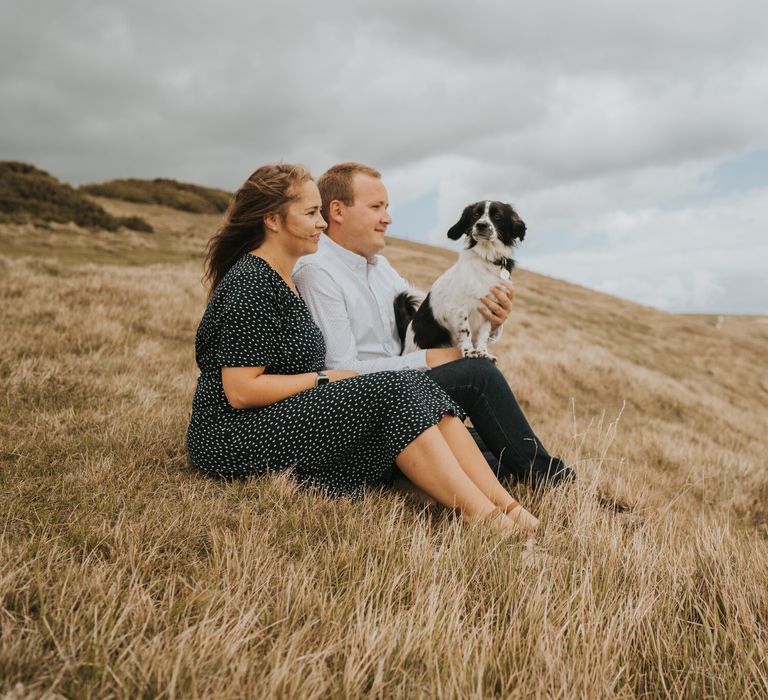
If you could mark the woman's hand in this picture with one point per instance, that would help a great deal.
(337, 374)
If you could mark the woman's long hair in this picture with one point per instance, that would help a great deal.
(268, 190)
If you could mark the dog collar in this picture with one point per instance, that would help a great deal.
(506, 265)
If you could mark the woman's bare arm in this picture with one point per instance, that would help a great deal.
(249, 387)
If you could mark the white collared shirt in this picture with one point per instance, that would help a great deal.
(351, 300)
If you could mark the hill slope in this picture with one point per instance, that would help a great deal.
(124, 573)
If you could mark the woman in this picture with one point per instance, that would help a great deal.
(263, 402)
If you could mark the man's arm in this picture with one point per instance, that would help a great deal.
(326, 303)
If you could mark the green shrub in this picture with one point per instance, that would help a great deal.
(135, 223)
(28, 194)
(165, 192)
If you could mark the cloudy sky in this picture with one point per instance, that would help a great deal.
(632, 137)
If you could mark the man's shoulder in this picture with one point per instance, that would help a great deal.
(326, 258)
(316, 264)
(315, 260)
(319, 274)
(313, 271)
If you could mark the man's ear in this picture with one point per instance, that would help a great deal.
(335, 211)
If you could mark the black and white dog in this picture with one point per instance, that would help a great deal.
(448, 316)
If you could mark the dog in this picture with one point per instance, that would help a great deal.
(448, 315)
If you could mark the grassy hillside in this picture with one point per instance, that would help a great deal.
(123, 573)
(165, 192)
(28, 194)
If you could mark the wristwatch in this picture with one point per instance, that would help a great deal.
(322, 378)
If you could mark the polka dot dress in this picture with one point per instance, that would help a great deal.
(339, 437)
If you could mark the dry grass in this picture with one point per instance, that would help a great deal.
(123, 573)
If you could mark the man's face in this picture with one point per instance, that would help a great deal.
(365, 222)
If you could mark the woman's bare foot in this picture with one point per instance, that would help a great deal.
(500, 522)
(521, 517)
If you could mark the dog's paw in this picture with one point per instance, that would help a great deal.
(479, 354)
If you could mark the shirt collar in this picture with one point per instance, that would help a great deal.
(352, 260)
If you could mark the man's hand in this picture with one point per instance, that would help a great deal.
(497, 309)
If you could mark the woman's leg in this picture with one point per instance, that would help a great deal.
(473, 463)
(475, 466)
(482, 391)
(430, 464)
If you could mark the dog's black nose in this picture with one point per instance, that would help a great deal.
(483, 231)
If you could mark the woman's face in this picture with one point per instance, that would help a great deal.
(303, 224)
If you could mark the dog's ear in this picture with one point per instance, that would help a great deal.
(517, 227)
(460, 227)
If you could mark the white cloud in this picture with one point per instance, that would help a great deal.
(689, 259)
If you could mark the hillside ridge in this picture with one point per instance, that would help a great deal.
(184, 196)
(29, 194)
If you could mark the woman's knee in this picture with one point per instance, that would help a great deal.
(449, 420)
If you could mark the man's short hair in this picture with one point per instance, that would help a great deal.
(336, 183)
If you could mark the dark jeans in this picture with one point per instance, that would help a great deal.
(501, 429)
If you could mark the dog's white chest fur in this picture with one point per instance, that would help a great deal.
(455, 302)
(459, 290)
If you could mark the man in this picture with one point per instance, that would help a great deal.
(350, 288)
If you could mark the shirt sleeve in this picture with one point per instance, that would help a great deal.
(326, 303)
(250, 327)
